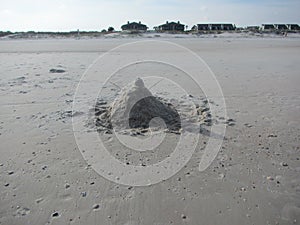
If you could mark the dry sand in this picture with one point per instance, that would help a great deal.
(254, 179)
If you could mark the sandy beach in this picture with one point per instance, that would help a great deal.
(253, 180)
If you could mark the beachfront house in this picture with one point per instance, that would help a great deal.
(268, 27)
(285, 27)
(252, 28)
(211, 26)
(134, 26)
(281, 26)
(203, 26)
(216, 26)
(293, 26)
(228, 26)
(170, 26)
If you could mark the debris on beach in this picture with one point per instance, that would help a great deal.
(23, 211)
(96, 206)
(57, 71)
(55, 214)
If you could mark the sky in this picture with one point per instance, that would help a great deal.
(70, 15)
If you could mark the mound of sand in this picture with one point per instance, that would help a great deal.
(136, 107)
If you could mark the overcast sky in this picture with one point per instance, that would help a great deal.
(65, 15)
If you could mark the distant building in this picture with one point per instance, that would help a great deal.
(268, 27)
(134, 26)
(216, 26)
(228, 26)
(194, 27)
(281, 26)
(252, 28)
(203, 27)
(170, 26)
(293, 26)
(211, 26)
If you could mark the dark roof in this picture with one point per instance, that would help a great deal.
(172, 23)
(171, 26)
(131, 25)
(135, 23)
(270, 26)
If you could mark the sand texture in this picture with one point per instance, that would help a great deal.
(254, 179)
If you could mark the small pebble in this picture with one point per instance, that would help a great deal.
(67, 185)
(96, 206)
(10, 172)
(183, 216)
(221, 175)
(83, 194)
(284, 164)
(39, 200)
(6, 184)
(56, 71)
(55, 214)
(44, 167)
